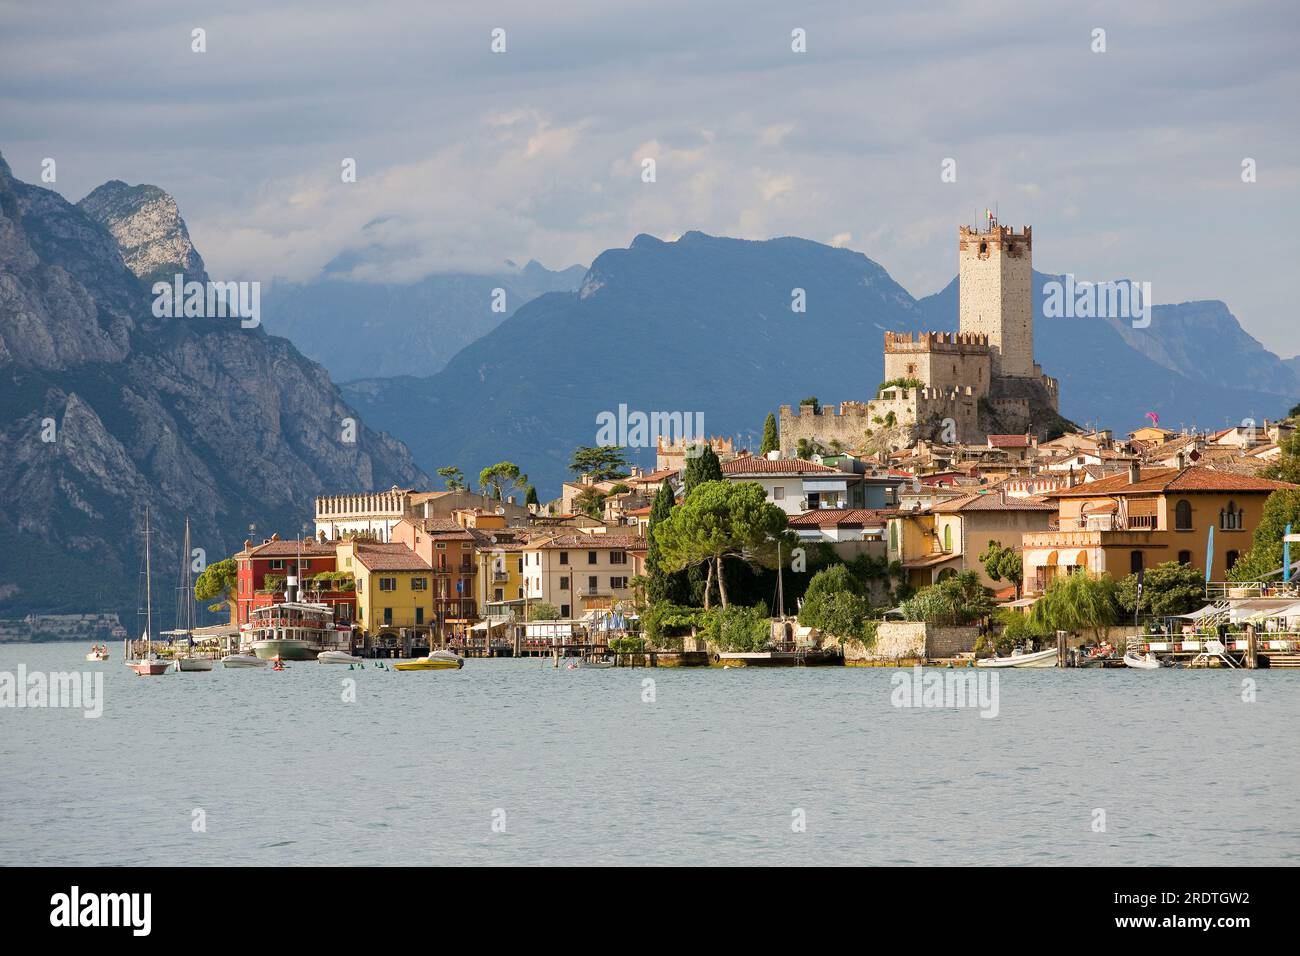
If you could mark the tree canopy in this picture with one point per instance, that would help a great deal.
(1281, 508)
(1167, 589)
(601, 462)
(218, 583)
(1003, 564)
(496, 479)
(1078, 602)
(719, 520)
(455, 477)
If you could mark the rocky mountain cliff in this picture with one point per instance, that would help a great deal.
(104, 408)
(148, 227)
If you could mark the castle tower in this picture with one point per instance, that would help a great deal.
(995, 278)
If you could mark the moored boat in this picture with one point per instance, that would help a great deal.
(1045, 658)
(149, 665)
(1142, 662)
(437, 661)
(338, 657)
(242, 660)
(193, 664)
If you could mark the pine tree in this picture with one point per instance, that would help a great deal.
(770, 440)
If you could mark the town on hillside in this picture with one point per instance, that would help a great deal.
(952, 514)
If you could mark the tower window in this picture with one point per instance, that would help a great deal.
(984, 248)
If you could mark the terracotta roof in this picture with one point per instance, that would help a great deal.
(779, 466)
(390, 557)
(994, 501)
(592, 542)
(1193, 478)
(842, 517)
(1008, 441)
(310, 547)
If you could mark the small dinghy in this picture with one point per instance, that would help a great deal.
(97, 653)
(190, 665)
(242, 660)
(338, 657)
(1020, 659)
(1142, 662)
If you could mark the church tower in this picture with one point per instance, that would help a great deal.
(995, 281)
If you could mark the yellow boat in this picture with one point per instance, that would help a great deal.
(437, 661)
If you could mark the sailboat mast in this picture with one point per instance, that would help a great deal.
(148, 587)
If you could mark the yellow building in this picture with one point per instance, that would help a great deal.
(949, 537)
(393, 588)
(1146, 517)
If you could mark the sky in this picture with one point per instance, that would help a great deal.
(1128, 162)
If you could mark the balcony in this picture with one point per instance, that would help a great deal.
(500, 577)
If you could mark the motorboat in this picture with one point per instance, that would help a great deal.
(242, 660)
(436, 661)
(193, 664)
(1019, 658)
(579, 664)
(338, 657)
(1142, 662)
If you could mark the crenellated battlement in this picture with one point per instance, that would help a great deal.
(962, 343)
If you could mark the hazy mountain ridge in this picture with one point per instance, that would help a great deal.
(705, 324)
(362, 329)
(196, 417)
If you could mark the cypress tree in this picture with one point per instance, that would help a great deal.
(702, 468)
(659, 586)
(770, 440)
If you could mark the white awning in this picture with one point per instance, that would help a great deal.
(824, 485)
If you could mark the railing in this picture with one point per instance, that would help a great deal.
(1224, 590)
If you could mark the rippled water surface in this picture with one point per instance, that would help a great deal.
(582, 770)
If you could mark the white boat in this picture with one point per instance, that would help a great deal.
(1142, 662)
(338, 657)
(578, 664)
(186, 662)
(1018, 658)
(98, 654)
(242, 660)
(149, 665)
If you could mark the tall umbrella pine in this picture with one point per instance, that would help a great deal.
(716, 521)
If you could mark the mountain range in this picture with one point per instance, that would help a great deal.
(706, 324)
(105, 408)
(350, 326)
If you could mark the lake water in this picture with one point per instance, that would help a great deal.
(720, 768)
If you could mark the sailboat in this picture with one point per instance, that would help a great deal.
(149, 665)
(185, 613)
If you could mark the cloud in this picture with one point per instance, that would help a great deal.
(467, 158)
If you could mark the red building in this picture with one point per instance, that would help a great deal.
(263, 570)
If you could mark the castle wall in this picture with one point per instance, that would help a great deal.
(942, 360)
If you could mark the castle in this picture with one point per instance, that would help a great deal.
(952, 386)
